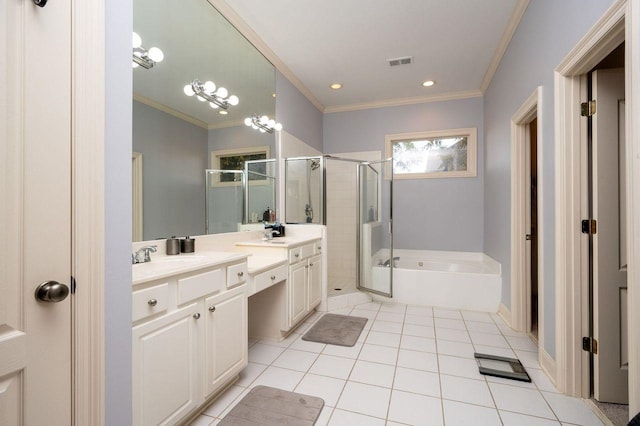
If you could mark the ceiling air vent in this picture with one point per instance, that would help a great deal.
(400, 61)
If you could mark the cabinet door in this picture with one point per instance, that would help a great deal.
(315, 282)
(166, 385)
(297, 292)
(226, 337)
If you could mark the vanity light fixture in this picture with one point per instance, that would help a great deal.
(263, 124)
(142, 57)
(207, 92)
(428, 83)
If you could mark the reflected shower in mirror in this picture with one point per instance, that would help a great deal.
(304, 190)
(260, 192)
(176, 134)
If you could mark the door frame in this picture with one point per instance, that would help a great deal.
(520, 297)
(88, 210)
(620, 23)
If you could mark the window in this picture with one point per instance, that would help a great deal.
(438, 154)
(234, 159)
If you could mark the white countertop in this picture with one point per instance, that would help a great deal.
(284, 242)
(165, 266)
(257, 264)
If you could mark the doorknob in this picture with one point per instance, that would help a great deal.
(528, 237)
(51, 291)
(40, 3)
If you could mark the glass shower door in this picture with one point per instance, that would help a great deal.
(224, 201)
(375, 226)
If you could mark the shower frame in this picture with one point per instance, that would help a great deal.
(323, 185)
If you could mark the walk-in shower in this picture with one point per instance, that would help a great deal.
(352, 198)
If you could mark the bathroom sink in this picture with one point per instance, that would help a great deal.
(162, 266)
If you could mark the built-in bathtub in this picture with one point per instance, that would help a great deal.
(456, 280)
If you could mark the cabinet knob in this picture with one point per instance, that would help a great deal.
(273, 277)
(311, 264)
(212, 308)
(297, 255)
(240, 273)
(196, 315)
(306, 266)
(152, 302)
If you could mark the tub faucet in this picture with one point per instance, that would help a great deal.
(144, 253)
(388, 261)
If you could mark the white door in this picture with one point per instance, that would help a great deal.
(35, 212)
(609, 242)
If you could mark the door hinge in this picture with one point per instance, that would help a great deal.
(590, 345)
(589, 226)
(587, 109)
(73, 285)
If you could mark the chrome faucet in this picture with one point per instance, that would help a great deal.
(269, 233)
(387, 262)
(144, 252)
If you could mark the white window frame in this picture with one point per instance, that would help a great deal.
(216, 155)
(472, 146)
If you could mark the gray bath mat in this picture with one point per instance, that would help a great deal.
(268, 406)
(336, 329)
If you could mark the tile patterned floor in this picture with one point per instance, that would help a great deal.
(413, 365)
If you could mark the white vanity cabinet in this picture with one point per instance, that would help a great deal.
(226, 337)
(165, 362)
(189, 340)
(305, 282)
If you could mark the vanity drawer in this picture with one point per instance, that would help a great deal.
(236, 274)
(150, 301)
(270, 277)
(200, 285)
(295, 255)
(307, 251)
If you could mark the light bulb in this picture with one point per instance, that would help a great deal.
(233, 100)
(222, 92)
(254, 127)
(271, 123)
(209, 87)
(136, 41)
(278, 126)
(247, 121)
(156, 54)
(214, 106)
(188, 90)
(264, 119)
(134, 65)
(200, 98)
(262, 130)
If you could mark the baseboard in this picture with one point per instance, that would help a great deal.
(598, 412)
(505, 314)
(548, 365)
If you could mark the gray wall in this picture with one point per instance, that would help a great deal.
(429, 214)
(298, 116)
(117, 288)
(239, 137)
(174, 157)
(547, 32)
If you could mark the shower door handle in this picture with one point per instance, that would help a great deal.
(528, 237)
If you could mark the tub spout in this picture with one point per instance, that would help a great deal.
(388, 261)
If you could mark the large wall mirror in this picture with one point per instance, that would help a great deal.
(174, 135)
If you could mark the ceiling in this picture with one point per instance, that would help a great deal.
(456, 43)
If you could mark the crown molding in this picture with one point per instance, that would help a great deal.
(241, 25)
(170, 111)
(234, 123)
(451, 96)
(509, 31)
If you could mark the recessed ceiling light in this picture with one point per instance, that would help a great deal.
(428, 83)
(223, 112)
(336, 86)
(273, 95)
